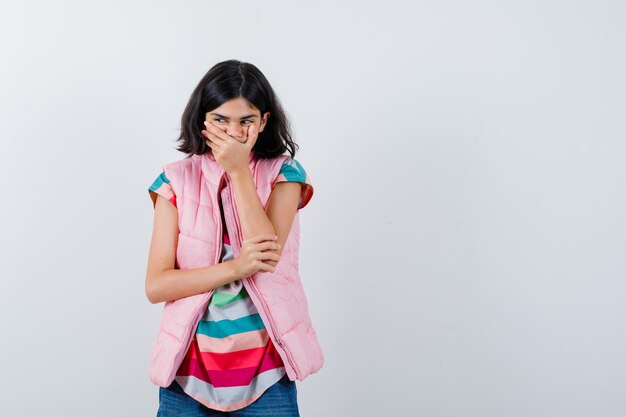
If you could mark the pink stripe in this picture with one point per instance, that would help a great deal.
(232, 343)
(165, 190)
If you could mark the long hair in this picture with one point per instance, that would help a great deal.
(225, 81)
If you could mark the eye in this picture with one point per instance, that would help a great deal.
(217, 119)
(248, 120)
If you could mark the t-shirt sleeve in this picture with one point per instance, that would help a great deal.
(162, 186)
(293, 171)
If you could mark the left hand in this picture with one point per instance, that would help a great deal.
(230, 152)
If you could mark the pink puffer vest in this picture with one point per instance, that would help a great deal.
(278, 296)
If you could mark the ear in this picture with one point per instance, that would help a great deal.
(264, 121)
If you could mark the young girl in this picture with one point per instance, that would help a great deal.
(235, 332)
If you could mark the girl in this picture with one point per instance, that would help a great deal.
(235, 332)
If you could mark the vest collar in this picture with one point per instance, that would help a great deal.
(213, 171)
(251, 156)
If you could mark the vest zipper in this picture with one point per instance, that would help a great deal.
(207, 295)
(251, 285)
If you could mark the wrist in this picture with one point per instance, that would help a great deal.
(234, 269)
(240, 173)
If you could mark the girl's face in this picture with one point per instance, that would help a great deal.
(235, 116)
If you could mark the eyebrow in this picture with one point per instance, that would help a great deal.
(250, 116)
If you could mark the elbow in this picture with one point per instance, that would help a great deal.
(151, 292)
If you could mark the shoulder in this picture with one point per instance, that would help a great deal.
(167, 182)
(266, 169)
(181, 165)
(271, 164)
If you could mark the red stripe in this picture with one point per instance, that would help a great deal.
(192, 366)
(229, 360)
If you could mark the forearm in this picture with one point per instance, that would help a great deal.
(172, 284)
(252, 215)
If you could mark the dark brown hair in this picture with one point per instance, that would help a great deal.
(225, 81)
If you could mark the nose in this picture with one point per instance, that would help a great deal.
(235, 131)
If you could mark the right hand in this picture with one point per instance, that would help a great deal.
(254, 251)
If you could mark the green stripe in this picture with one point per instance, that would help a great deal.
(225, 328)
(159, 182)
(220, 299)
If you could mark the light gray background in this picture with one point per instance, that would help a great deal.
(463, 253)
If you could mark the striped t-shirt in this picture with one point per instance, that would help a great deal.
(231, 360)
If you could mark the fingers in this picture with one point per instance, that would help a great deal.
(267, 245)
(213, 144)
(268, 256)
(260, 238)
(215, 133)
(245, 135)
(250, 133)
(266, 267)
(265, 250)
(261, 248)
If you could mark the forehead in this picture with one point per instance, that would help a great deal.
(237, 107)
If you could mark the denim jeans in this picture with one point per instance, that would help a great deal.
(279, 400)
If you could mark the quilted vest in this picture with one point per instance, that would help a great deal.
(278, 296)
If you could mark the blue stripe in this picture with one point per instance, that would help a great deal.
(293, 170)
(225, 328)
(159, 182)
